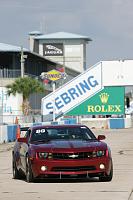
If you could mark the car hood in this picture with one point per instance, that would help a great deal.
(63, 146)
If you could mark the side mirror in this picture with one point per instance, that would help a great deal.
(101, 137)
(24, 140)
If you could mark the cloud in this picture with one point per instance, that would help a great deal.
(107, 22)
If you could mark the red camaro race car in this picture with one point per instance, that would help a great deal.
(61, 151)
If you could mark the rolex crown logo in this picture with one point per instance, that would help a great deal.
(104, 97)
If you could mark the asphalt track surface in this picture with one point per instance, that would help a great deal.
(120, 188)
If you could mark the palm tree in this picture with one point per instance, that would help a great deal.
(25, 86)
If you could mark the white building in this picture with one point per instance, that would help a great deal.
(65, 48)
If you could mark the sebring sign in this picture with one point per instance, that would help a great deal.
(74, 92)
(107, 102)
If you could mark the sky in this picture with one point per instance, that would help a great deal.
(109, 23)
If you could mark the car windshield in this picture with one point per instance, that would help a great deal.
(62, 133)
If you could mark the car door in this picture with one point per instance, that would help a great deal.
(24, 150)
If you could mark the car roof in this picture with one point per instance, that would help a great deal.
(59, 126)
(24, 128)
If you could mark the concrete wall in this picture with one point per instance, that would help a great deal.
(107, 123)
(8, 132)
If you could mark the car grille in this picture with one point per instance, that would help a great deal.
(70, 156)
(73, 169)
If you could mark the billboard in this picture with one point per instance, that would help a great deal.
(53, 49)
(109, 101)
(10, 104)
(73, 92)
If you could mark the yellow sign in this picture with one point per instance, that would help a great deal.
(53, 75)
(104, 97)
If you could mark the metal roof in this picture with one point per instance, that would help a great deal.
(35, 33)
(11, 48)
(62, 35)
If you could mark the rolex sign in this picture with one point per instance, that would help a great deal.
(109, 101)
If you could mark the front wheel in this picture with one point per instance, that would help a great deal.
(15, 171)
(107, 178)
(29, 174)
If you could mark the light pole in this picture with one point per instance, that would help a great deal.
(2, 97)
(22, 60)
(53, 86)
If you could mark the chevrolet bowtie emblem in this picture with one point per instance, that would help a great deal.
(73, 156)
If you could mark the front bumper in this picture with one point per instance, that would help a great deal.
(71, 167)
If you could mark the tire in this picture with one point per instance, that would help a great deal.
(29, 174)
(107, 178)
(15, 172)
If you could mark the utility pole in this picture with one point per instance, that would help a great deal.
(2, 99)
(22, 62)
(53, 85)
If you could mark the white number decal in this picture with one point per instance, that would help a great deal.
(40, 131)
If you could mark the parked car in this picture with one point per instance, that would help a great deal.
(61, 151)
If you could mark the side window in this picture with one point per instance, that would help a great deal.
(88, 133)
(27, 135)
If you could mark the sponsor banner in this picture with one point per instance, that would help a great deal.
(10, 104)
(109, 101)
(52, 75)
(53, 49)
(73, 93)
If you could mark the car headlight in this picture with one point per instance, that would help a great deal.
(94, 154)
(100, 153)
(44, 155)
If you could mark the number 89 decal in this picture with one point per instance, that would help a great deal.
(40, 131)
